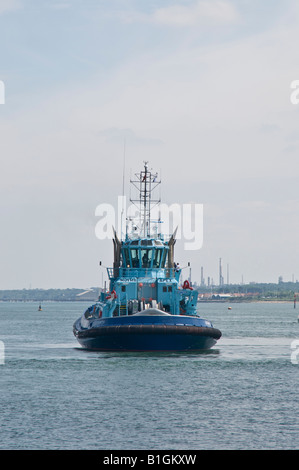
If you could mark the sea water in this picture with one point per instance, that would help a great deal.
(242, 394)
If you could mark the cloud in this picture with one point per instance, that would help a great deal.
(60, 5)
(117, 136)
(219, 109)
(9, 5)
(199, 12)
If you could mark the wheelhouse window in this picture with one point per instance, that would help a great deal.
(164, 258)
(157, 258)
(146, 242)
(146, 258)
(135, 257)
(126, 257)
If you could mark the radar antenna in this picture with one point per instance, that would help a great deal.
(145, 182)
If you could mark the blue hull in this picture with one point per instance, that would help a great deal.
(147, 333)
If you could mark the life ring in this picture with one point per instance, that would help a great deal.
(112, 295)
(186, 285)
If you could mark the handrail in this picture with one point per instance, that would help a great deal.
(141, 272)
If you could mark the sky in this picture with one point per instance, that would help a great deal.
(199, 88)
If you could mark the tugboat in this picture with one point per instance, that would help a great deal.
(146, 308)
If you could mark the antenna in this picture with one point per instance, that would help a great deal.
(124, 166)
(123, 195)
(145, 182)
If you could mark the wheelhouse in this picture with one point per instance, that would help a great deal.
(144, 253)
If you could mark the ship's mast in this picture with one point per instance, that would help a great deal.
(145, 227)
(145, 182)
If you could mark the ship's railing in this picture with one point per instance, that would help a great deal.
(154, 273)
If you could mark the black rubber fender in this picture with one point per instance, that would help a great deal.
(150, 329)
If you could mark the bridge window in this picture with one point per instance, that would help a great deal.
(157, 258)
(164, 258)
(126, 257)
(146, 242)
(146, 258)
(135, 257)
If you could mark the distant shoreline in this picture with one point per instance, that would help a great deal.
(272, 293)
(198, 303)
(46, 301)
(247, 301)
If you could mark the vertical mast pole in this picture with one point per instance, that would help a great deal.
(145, 196)
(123, 195)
